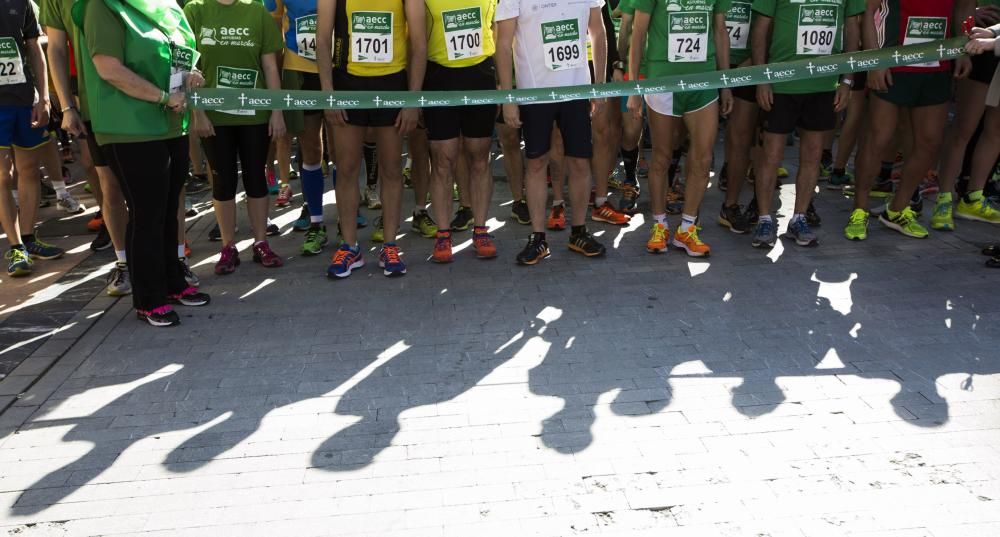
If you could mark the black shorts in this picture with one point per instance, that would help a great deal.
(745, 93)
(573, 120)
(450, 122)
(860, 81)
(807, 111)
(375, 117)
(96, 155)
(983, 67)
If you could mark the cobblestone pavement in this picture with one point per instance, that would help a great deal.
(849, 389)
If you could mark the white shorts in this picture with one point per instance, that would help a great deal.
(678, 104)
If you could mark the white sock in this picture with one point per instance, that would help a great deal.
(764, 218)
(600, 201)
(557, 203)
(120, 254)
(687, 221)
(316, 219)
(660, 219)
(180, 251)
(60, 187)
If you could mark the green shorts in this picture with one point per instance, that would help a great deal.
(912, 90)
(295, 121)
(680, 103)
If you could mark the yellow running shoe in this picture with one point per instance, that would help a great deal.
(657, 243)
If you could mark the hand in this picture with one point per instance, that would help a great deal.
(617, 76)
(841, 98)
(765, 97)
(725, 101)
(635, 106)
(336, 118)
(72, 123)
(981, 33)
(407, 120)
(980, 45)
(201, 125)
(512, 115)
(40, 114)
(177, 102)
(276, 127)
(596, 106)
(195, 80)
(963, 66)
(879, 80)
(987, 15)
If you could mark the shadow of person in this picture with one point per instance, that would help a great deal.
(410, 381)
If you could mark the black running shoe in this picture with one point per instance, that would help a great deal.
(724, 177)
(215, 234)
(734, 218)
(159, 317)
(536, 250)
(586, 244)
(272, 229)
(102, 241)
(190, 297)
(752, 214)
(463, 219)
(917, 202)
(812, 217)
(48, 193)
(519, 210)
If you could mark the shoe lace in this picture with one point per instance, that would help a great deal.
(907, 216)
(692, 233)
(801, 226)
(264, 249)
(442, 243)
(312, 235)
(764, 227)
(659, 232)
(391, 255)
(943, 208)
(341, 255)
(482, 239)
(858, 217)
(15, 255)
(117, 275)
(38, 243)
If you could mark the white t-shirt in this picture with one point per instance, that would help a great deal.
(550, 43)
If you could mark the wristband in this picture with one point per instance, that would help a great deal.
(164, 97)
(67, 109)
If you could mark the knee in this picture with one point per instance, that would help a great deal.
(536, 166)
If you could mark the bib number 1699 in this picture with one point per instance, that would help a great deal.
(564, 53)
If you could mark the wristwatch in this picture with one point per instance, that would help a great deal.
(619, 65)
(848, 81)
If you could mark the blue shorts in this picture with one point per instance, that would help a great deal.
(16, 130)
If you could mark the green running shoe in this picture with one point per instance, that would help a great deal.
(978, 210)
(905, 222)
(424, 224)
(379, 234)
(315, 241)
(857, 225)
(18, 263)
(942, 219)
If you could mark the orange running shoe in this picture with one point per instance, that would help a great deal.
(442, 248)
(607, 213)
(95, 222)
(187, 249)
(689, 241)
(483, 243)
(657, 243)
(557, 218)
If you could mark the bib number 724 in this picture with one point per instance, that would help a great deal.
(688, 45)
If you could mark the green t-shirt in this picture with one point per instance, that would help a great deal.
(57, 14)
(807, 29)
(232, 38)
(106, 36)
(681, 35)
(738, 25)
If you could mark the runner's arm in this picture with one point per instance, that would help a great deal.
(325, 12)
(505, 53)
(721, 42)
(760, 42)
(598, 39)
(624, 36)
(416, 23)
(38, 68)
(114, 72)
(869, 34)
(637, 45)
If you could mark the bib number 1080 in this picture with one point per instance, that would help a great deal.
(564, 53)
(817, 38)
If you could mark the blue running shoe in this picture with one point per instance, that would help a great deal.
(302, 222)
(18, 263)
(42, 250)
(344, 261)
(801, 233)
(390, 263)
(765, 234)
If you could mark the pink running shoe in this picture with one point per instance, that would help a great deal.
(263, 254)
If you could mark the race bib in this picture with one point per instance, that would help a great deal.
(463, 32)
(687, 39)
(738, 25)
(305, 36)
(371, 37)
(924, 29)
(817, 30)
(11, 65)
(182, 60)
(561, 44)
(236, 78)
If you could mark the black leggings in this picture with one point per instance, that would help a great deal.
(248, 142)
(151, 175)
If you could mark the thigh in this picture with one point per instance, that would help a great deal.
(661, 130)
(928, 124)
(253, 144)
(883, 117)
(347, 142)
(143, 170)
(574, 125)
(222, 151)
(444, 123)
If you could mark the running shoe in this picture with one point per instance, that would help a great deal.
(857, 225)
(905, 222)
(189, 210)
(390, 261)
(839, 181)
(190, 277)
(379, 234)
(536, 250)
(407, 177)
(482, 241)
(980, 210)
(688, 240)
(272, 182)
(102, 241)
(424, 225)
(724, 177)
(943, 217)
(302, 223)
(463, 219)
(812, 217)
(825, 169)
(372, 200)
(442, 248)
(272, 229)
(284, 196)
(454, 192)
(229, 259)
(315, 241)
(585, 243)
(38, 249)
(929, 185)
(197, 183)
(69, 204)
(119, 283)
(95, 222)
(659, 236)
(614, 183)
(629, 202)
(607, 213)
(765, 234)
(734, 218)
(752, 213)
(883, 189)
(519, 210)
(344, 261)
(162, 316)
(557, 218)
(18, 262)
(362, 221)
(782, 172)
(215, 234)
(801, 233)
(47, 192)
(993, 262)
(191, 297)
(263, 254)
(675, 202)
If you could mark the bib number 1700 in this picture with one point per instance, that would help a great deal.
(468, 41)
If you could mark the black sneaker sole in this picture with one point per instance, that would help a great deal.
(810, 244)
(529, 262)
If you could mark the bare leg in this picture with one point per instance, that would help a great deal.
(444, 155)
(513, 160)
(29, 192)
(8, 209)
(883, 116)
(849, 132)
(607, 134)
(739, 141)
(390, 166)
(557, 170)
(661, 129)
(420, 174)
(703, 126)
(810, 153)
(348, 144)
(225, 215)
(579, 188)
(985, 156)
(257, 209)
(462, 178)
(927, 124)
(537, 190)
(971, 104)
(480, 178)
(766, 170)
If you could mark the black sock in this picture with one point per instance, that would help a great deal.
(578, 230)
(839, 171)
(27, 238)
(886, 172)
(631, 160)
(540, 235)
(827, 156)
(316, 225)
(371, 163)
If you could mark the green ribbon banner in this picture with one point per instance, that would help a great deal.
(259, 99)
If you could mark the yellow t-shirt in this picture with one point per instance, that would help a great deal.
(376, 37)
(460, 32)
